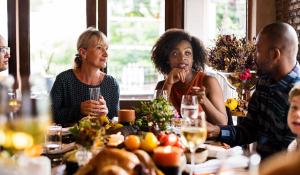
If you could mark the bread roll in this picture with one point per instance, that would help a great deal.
(146, 160)
(110, 156)
(112, 170)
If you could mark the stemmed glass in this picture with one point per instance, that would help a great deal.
(193, 134)
(189, 107)
(193, 127)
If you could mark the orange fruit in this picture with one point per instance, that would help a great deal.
(132, 142)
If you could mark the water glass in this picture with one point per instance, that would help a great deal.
(53, 140)
(95, 93)
(160, 93)
(176, 125)
(189, 107)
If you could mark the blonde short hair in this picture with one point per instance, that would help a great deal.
(85, 40)
(295, 91)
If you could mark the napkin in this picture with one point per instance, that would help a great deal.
(230, 158)
(34, 165)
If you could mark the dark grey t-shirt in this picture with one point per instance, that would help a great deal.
(68, 92)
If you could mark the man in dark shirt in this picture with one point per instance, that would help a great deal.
(266, 120)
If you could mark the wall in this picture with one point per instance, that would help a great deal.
(289, 11)
(265, 13)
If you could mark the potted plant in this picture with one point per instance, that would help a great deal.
(154, 115)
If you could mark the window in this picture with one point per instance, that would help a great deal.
(215, 17)
(3, 18)
(54, 28)
(3, 24)
(208, 18)
(133, 27)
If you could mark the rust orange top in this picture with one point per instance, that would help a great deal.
(178, 90)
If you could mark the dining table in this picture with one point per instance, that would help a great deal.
(220, 159)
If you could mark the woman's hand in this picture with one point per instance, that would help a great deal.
(95, 108)
(176, 75)
(200, 93)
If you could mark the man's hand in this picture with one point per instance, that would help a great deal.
(213, 131)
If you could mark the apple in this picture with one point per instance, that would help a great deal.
(168, 139)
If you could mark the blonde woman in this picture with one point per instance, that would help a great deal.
(70, 92)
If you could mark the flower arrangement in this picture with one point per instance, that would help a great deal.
(231, 54)
(154, 115)
(92, 128)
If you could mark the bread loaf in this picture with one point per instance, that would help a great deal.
(110, 156)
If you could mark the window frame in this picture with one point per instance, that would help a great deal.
(18, 12)
(19, 35)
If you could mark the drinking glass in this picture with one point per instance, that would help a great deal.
(95, 93)
(13, 105)
(189, 107)
(193, 134)
(53, 140)
(176, 125)
(159, 93)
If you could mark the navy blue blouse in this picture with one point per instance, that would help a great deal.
(68, 92)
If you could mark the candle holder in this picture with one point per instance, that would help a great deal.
(169, 159)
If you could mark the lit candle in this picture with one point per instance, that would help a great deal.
(168, 156)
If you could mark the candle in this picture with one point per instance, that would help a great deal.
(126, 116)
(168, 156)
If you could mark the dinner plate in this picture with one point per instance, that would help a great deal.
(65, 148)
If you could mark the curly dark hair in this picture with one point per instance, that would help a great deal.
(166, 43)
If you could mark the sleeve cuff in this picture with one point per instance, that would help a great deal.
(225, 134)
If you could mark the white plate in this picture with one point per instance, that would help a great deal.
(65, 148)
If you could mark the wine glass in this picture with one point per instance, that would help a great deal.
(189, 107)
(193, 134)
(24, 133)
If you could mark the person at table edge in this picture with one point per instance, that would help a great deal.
(278, 70)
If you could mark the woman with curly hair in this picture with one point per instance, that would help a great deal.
(181, 58)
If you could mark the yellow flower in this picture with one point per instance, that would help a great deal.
(231, 103)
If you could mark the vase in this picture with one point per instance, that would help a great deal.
(242, 87)
(83, 155)
(234, 81)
